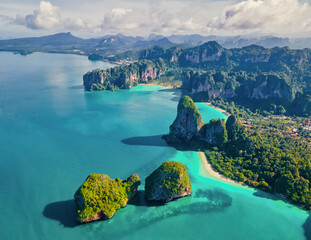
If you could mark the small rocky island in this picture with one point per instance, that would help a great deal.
(190, 129)
(100, 197)
(168, 182)
(187, 123)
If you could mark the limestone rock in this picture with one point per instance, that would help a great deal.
(100, 197)
(188, 121)
(215, 132)
(168, 182)
(93, 81)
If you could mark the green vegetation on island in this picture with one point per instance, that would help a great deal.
(95, 57)
(100, 197)
(252, 76)
(269, 152)
(123, 77)
(266, 140)
(187, 123)
(168, 182)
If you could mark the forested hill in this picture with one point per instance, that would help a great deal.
(212, 56)
(253, 74)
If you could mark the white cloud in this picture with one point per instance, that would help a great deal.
(46, 17)
(79, 23)
(278, 16)
(157, 17)
(125, 19)
(171, 17)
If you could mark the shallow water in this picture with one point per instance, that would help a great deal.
(53, 135)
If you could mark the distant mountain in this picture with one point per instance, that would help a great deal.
(59, 39)
(111, 45)
(58, 43)
(267, 42)
(163, 42)
(236, 41)
(67, 43)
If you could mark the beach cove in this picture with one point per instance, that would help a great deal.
(53, 135)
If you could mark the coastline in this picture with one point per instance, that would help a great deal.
(211, 172)
(217, 108)
(159, 85)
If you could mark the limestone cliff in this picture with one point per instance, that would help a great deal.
(206, 53)
(229, 85)
(271, 86)
(188, 121)
(100, 197)
(168, 182)
(215, 132)
(93, 80)
(123, 77)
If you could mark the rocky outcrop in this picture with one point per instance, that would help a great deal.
(215, 132)
(205, 86)
(208, 52)
(229, 85)
(271, 86)
(123, 77)
(187, 123)
(150, 73)
(233, 126)
(168, 182)
(93, 80)
(95, 57)
(206, 83)
(100, 197)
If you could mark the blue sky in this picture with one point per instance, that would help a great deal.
(19, 18)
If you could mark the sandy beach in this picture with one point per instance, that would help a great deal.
(215, 174)
(217, 108)
(154, 84)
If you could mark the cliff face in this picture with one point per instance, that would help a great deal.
(208, 52)
(205, 86)
(123, 77)
(188, 121)
(272, 87)
(92, 79)
(228, 85)
(214, 85)
(150, 73)
(215, 132)
(168, 182)
(100, 197)
(189, 126)
(233, 126)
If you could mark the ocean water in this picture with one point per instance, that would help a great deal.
(53, 135)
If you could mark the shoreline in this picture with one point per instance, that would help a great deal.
(158, 85)
(217, 108)
(216, 175)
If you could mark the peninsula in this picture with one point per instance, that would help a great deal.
(259, 154)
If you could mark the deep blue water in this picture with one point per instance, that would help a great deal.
(53, 135)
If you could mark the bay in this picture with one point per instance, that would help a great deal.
(53, 135)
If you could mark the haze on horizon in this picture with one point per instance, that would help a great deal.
(92, 18)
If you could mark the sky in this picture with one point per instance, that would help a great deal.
(95, 18)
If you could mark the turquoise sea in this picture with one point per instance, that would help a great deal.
(53, 135)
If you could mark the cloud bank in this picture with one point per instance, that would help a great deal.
(46, 17)
(247, 16)
(264, 15)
